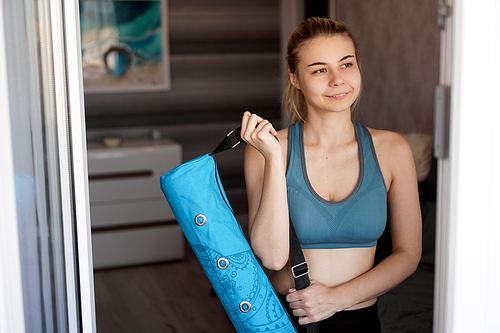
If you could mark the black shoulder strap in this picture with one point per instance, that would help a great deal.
(231, 140)
(300, 268)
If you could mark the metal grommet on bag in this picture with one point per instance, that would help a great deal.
(200, 219)
(222, 263)
(245, 307)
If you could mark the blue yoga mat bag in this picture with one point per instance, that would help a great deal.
(199, 203)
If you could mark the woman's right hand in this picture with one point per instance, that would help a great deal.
(260, 134)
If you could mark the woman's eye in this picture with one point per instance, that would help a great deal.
(322, 70)
(346, 65)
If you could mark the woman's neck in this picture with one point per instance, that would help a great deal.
(329, 129)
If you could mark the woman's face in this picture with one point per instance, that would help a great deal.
(328, 74)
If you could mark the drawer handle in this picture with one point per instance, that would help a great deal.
(121, 175)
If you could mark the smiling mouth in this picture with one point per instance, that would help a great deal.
(339, 95)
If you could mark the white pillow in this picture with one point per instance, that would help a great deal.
(421, 145)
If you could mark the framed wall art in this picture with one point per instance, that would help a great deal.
(124, 45)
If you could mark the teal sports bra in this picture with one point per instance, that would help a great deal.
(356, 221)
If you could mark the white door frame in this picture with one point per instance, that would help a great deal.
(70, 19)
(442, 270)
(468, 257)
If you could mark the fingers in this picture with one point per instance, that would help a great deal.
(306, 314)
(296, 302)
(305, 306)
(292, 296)
(255, 129)
(249, 122)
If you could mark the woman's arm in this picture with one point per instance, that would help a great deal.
(266, 192)
(319, 301)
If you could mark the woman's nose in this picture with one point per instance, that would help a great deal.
(336, 79)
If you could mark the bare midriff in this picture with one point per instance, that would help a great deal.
(331, 267)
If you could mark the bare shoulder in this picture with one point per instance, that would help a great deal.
(394, 154)
(390, 144)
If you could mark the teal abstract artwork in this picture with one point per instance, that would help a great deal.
(124, 45)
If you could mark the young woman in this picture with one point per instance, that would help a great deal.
(338, 181)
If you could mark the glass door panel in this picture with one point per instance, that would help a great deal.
(45, 122)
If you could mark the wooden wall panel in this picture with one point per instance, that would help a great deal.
(399, 45)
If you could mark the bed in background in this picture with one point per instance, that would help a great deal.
(409, 306)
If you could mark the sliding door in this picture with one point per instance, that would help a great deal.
(45, 249)
(468, 259)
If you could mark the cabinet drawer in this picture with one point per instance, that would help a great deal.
(122, 189)
(127, 213)
(137, 246)
(131, 171)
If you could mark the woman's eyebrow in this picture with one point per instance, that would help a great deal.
(320, 63)
(317, 64)
(346, 57)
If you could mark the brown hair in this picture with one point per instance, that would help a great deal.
(309, 29)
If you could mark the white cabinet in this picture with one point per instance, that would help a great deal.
(131, 220)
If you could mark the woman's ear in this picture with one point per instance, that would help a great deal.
(293, 79)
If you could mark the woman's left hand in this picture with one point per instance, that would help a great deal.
(314, 303)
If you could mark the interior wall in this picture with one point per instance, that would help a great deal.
(224, 60)
(399, 46)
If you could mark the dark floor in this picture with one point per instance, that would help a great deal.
(167, 297)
